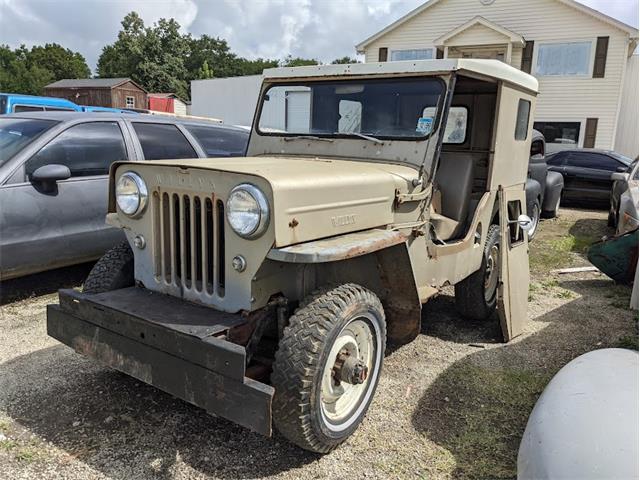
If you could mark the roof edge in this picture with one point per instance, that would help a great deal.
(480, 20)
(633, 32)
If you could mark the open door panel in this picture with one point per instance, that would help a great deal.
(513, 289)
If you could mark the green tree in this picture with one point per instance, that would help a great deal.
(28, 71)
(290, 61)
(152, 56)
(343, 60)
(60, 61)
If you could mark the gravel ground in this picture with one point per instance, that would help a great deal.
(452, 404)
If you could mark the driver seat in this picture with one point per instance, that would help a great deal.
(453, 186)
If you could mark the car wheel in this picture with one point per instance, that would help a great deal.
(476, 295)
(327, 367)
(534, 214)
(553, 213)
(112, 272)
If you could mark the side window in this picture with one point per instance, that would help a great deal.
(537, 148)
(58, 109)
(605, 162)
(27, 108)
(220, 142)
(130, 102)
(594, 161)
(522, 119)
(87, 149)
(161, 141)
(456, 130)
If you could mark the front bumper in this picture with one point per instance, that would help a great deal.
(174, 345)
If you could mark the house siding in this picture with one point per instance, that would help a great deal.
(569, 98)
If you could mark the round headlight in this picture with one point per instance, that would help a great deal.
(247, 211)
(131, 194)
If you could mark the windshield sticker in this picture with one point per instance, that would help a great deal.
(424, 124)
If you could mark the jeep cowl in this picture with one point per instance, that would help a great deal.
(266, 289)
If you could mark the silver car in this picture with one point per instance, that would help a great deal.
(625, 210)
(54, 176)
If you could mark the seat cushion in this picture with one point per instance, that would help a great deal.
(454, 182)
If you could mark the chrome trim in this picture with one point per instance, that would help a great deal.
(142, 192)
(263, 204)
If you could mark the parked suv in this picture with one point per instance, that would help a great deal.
(17, 103)
(267, 288)
(53, 178)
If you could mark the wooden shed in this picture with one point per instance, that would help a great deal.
(167, 102)
(100, 92)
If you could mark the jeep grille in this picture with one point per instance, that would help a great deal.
(189, 241)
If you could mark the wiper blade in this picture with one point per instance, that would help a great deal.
(290, 138)
(365, 137)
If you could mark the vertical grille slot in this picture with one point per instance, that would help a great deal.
(189, 242)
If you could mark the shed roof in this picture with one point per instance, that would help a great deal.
(489, 68)
(91, 83)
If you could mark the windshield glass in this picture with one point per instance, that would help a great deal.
(404, 109)
(17, 133)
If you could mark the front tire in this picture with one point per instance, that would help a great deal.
(534, 214)
(327, 367)
(113, 271)
(476, 295)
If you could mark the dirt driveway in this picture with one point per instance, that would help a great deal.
(453, 404)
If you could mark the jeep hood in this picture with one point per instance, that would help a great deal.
(313, 198)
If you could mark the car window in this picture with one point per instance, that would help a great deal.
(27, 108)
(58, 109)
(17, 133)
(594, 161)
(557, 159)
(87, 149)
(220, 142)
(160, 141)
(537, 148)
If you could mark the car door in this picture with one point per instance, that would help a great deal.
(52, 224)
(588, 175)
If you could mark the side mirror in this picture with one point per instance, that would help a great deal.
(50, 173)
(621, 169)
(616, 176)
(525, 222)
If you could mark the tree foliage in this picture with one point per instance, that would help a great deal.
(28, 71)
(343, 60)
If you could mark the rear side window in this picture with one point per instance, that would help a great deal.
(522, 119)
(27, 108)
(161, 141)
(87, 149)
(220, 142)
(58, 109)
(595, 161)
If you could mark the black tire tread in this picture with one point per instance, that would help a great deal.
(114, 270)
(298, 356)
(469, 293)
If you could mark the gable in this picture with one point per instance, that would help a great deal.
(446, 15)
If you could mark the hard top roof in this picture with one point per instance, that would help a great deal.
(489, 68)
(143, 118)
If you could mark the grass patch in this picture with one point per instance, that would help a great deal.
(7, 444)
(483, 421)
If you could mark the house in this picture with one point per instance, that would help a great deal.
(581, 58)
(167, 102)
(100, 92)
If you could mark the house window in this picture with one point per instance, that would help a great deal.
(130, 102)
(422, 54)
(564, 58)
(559, 135)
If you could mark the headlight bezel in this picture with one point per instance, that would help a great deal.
(263, 206)
(143, 193)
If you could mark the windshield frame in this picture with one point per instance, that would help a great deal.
(350, 136)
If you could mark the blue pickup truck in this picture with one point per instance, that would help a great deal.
(15, 103)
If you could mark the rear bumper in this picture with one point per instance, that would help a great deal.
(168, 343)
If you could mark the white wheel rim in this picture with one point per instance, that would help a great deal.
(341, 403)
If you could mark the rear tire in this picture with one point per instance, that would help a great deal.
(476, 295)
(113, 271)
(313, 406)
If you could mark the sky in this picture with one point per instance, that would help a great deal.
(321, 29)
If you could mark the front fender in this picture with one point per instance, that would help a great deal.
(532, 190)
(553, 190)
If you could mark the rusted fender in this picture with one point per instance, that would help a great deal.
(339, 248)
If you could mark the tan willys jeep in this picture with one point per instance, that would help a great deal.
(266, 289)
